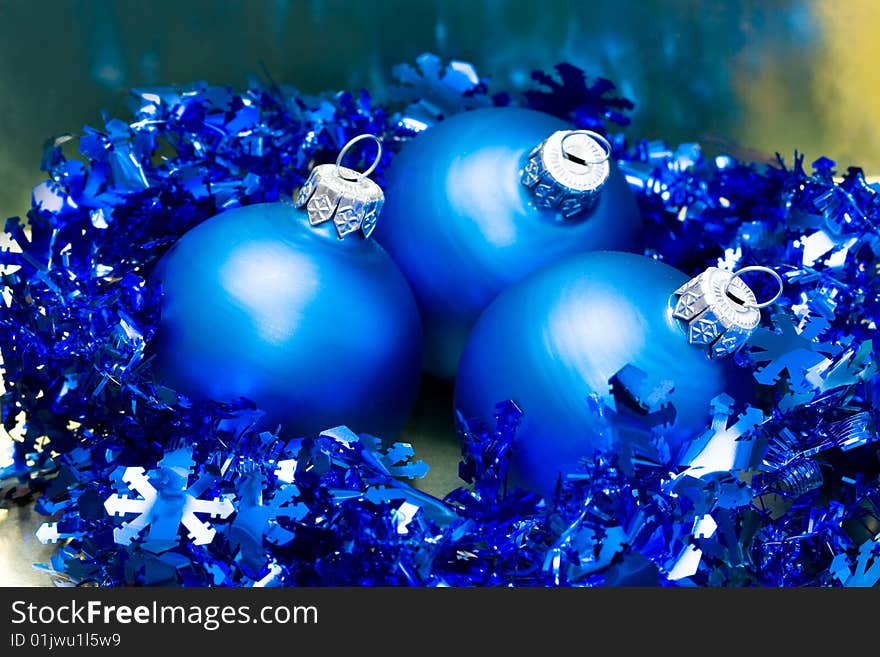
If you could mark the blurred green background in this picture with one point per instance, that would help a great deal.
(767, 75)
(752, 77)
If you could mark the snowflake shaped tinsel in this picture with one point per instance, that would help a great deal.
(786, 493)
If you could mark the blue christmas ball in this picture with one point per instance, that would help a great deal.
(558, 337)
(462, 226)
(318, 331)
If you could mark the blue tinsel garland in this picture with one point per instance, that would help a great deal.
(211, 502)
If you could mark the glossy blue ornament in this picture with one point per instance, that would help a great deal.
(557, 337)
(318, 331)
(462, 226)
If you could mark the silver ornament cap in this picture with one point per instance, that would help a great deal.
(718, 310)
(566, 171)
(344, 196)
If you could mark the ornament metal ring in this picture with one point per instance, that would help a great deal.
(345, 149)
(764, 270)
(604, 143)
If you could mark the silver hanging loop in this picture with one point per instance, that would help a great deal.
(567, 171)
(718, 311)
(577, 157)
(342, 195)
(347, 147)
(764, 270)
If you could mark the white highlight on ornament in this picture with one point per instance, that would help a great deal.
(573, 333)
(467, 192)
(257, 278)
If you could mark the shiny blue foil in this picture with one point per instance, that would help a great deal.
(794, 501)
